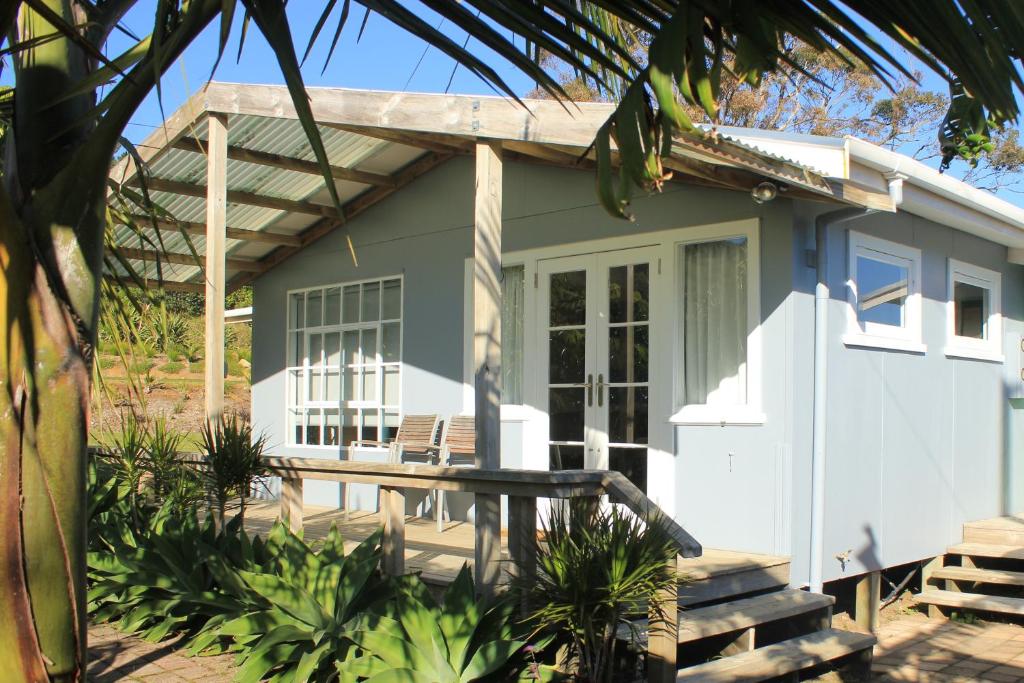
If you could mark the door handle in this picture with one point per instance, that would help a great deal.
(600, 390)
(590, 389)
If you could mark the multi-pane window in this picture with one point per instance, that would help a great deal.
(344, 362)
(974, 327)
(884, 294)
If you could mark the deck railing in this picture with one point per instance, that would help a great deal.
(523, 488)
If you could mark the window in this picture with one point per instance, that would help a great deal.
(344, 362)
(974, 321)
(884, 294)
(718, 330)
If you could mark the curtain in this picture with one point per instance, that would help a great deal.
(714, 322)
(512, 316)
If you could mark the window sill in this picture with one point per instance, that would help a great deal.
(884, 343)
(718, 416)
(966, 352)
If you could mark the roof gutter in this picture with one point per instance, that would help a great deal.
(822, 296)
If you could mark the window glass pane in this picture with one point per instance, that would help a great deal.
(566, 356)
(332, 306)
(390, 429)
(295, 419)
(627, 415)
(628, 293)
(297, 397)
(566, 407)
(298, 352)
(316, 350)
(350, 347)
(714, 322)
(391, 306)
(313, 428)
(314, 308)
(371, 302)
(315, 382)
(332, 427)
(390, 397)
(332, 348)
(349, 379)
(628, 353)
(368, 347)
(370, 421)
(971, 308)
(349, 426)
(881, 291)
(512, 314)
(350, 304)
(565, 457)
(332, 386)
(569, 298)
(632, 462)
(391, 342)
(369, 384)
(297, 308)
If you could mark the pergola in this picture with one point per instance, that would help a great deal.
(235, 170)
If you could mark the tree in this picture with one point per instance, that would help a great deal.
(65, 129)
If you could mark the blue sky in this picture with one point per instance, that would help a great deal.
(385, 58)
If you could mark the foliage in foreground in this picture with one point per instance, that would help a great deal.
(290, 612)
(596, 571)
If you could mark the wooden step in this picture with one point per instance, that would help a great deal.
(1010, 552)
(705, 622)
(721, 574)
(780, 659)
(999, 576)
(997, 531)
(972, 601)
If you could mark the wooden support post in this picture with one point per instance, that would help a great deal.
(392, 510)
(868, 599)
(522, 538)
(487, 356)
(663, 634)
(216, 222)
(291, 502)
(927, 569)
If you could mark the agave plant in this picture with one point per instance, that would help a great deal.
(302, 606)
(159, 581)
(461, 639)
(597, 570)
(234, 464)
(172, 479)
(127, 449)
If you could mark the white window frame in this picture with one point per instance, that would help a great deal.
(878, 335)
(291, 403)
(990, 349)
(751, 411)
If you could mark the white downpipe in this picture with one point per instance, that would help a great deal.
(819, 419)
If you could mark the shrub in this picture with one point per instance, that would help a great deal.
(171, 368)
(234, 464)
(595, 569)
(141, 366)
(172, 479)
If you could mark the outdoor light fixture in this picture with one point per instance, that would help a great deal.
(764, 192)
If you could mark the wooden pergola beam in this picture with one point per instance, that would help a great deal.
(444, 144)
(242, 234)
(252, 156)
(243, 197)
(242, 264)
(166, 285)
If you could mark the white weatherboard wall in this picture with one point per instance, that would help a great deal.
(916, 442)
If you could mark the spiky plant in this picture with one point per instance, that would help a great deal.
(233, 464)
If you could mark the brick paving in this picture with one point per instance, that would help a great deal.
(916, 648)
(117, 656)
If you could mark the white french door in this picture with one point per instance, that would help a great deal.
(596, 331)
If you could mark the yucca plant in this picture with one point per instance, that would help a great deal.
(172, 479)
(597, 570)
(302, 607)
(462, 639)
(127, 451)
(233, 462)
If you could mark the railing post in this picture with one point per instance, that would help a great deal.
(663, 633)
(291, 502)
(487, 553)
(392, 511)
(522, 537)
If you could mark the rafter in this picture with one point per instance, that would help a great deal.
(242, 234)
(243, 197)
(243, 264)
(166, 285)
(252, 156)
(444, 144)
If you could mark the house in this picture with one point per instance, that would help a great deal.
(802, 346)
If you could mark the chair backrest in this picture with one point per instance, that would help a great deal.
(460, 436)
(418, 429)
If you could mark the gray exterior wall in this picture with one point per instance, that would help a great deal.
(917, 444)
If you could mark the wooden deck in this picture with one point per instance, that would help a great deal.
(439, 556)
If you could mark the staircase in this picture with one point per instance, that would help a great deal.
(985, 573)
(739, 621)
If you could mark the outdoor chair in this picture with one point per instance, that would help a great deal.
(458, 449)
(415, 442)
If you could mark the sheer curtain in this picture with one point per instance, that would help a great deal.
(714, 322)
(512, 316)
